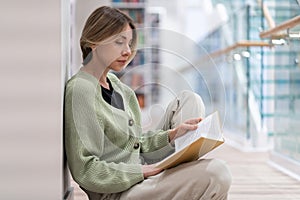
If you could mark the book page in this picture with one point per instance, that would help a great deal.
(195, 144)
(209, 127)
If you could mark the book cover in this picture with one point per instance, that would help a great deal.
(195, 144)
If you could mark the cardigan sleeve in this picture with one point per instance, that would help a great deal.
(83, 133)
(155, 146)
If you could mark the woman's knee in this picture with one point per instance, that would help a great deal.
(187, 94)
(192, 101)
(220, 173)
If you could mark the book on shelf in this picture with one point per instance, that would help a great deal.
(137, 14)
(195, 144)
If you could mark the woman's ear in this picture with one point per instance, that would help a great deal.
(93, 47)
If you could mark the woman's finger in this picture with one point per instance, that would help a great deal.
(193, 121)
(189, 127)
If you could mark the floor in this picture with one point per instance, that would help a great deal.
(253, 177)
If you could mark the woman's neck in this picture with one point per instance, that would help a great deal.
(99, 73)
(103, 82)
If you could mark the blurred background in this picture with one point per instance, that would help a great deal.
(242, 57)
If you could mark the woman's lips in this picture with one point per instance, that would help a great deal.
(122, 61)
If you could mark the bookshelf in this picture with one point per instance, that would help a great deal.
(142, 73)
(154, 19)
(133, 74)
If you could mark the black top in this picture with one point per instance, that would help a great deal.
(112, 97)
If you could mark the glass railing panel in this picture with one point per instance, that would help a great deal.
(286, 86)
(261, 84)
(287, 106)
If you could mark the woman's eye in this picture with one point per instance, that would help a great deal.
(119, 42)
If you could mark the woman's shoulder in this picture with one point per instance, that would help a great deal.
(81, 82)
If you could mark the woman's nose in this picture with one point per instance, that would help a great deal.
(126, 51)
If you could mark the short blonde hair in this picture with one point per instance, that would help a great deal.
(103, 23)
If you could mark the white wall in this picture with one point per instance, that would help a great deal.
(30, 105)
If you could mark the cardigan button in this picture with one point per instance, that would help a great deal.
(136, 145)
(130, 122)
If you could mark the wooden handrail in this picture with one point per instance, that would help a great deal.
(240, 44)
(283, 26)
(267, 14)
(245, 43)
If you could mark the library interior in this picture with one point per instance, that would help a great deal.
(241, 57)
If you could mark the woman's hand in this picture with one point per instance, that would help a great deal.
(188, 125)
(150, 170)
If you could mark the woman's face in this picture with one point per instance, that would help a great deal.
(115, 51)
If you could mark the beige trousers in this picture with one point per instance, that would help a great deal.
(198, 180)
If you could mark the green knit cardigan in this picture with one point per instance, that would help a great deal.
(105, 146)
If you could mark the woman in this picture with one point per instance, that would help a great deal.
(106, 151)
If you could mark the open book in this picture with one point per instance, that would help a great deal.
(194, 144)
